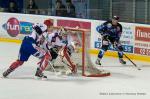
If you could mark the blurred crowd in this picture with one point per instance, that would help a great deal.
(65, 10)
(17, 6)
(12, 6)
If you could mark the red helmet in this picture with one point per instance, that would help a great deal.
(48, 22)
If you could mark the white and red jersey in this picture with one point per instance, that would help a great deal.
(35, 35)
(52, 40)
(55, 40)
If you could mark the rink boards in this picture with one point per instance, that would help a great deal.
(135, 37)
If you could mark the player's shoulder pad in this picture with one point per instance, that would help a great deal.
(119, 25)
(43, 27)
(107, 22)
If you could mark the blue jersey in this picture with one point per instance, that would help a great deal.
(114, 31)
(27, 49)
(29, 44)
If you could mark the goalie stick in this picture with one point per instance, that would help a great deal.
(54, 70)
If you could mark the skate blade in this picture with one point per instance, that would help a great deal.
(39, 78)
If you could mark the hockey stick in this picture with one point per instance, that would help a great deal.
(128, 58)
(55, 72)
(131, 61)
(114, 46)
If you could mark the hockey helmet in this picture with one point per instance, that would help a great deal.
(40, 28)
(48, 23)
(115, 17)
(63, 31)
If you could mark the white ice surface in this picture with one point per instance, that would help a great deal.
(124, 80)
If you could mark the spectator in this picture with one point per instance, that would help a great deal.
(32, 7)
(12, 7)
(1, 9)
(70, 9)
(60, 8)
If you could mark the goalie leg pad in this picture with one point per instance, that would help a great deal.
(73, 67)
(70, 49)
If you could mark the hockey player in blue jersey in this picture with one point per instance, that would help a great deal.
(30, 47)
(111, 32)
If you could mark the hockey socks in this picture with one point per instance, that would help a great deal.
(13, 66)
(16, 64)
(120, 54)
(101, 53)
(72, 66)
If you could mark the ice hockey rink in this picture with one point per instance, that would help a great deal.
(125, 80)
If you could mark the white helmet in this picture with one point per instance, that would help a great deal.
(63, 31)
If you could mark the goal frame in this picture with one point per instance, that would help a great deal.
(83, 31)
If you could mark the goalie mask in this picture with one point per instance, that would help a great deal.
(63, 32)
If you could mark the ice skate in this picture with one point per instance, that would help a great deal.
(40, 75)
(98, 61)
(122, 61)
(7, 72)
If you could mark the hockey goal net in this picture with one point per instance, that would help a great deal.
(81, 55)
